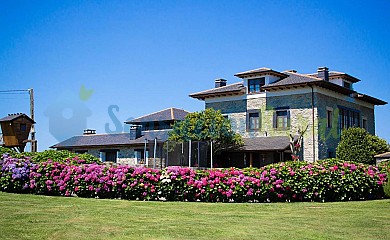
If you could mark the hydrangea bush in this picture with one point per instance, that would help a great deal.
(329, 180)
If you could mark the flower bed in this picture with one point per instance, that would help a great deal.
(330, 180)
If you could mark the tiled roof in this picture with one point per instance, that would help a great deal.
(294, 78)
(368, 98)
(334, 74)
(163, 115)
(113, 139)
(301, 79)
(259, 71)
(231, 88)
(383, 155)
(11, 117)
(266, 143)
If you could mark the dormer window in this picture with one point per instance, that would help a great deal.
(254, 85)
(347, 84)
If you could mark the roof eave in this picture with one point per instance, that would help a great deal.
(101, 145)
(324, 84)
(221, 94)
(369, 99)
(260, 73)
(345, 76)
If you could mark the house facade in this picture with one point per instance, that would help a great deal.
(142, 146)
(268, 106)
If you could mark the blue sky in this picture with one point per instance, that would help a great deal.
(144, 56)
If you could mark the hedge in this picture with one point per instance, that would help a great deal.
(329, 180)
(55, 155)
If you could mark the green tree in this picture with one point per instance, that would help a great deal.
(358, 145)
(207, 125)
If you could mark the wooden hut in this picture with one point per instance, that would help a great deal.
(16, 129)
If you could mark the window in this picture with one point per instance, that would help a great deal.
(109, 155)
(364, 123)
(331, 153)
(329, 118)
(254, 85)
(162, 125)
(140, 155)
(23, 127)
(282, 119)
(348, 118)
(254, 121)
(347, 85)
(81, 151)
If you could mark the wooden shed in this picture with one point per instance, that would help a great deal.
(16, 129)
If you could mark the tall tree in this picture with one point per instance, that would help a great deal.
(207, 125)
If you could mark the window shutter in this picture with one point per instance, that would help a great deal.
(259, 119)
(288, 119)
(274, 122)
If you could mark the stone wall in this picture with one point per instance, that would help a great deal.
(300, 115)
(227, 107)
(329, 137)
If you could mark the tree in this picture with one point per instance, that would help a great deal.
(296, 143)
(358, 145)
(207, 125)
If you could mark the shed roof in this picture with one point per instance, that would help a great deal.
(12, 117)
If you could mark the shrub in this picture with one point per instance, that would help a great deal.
(359, 146)
(15, 174)
(62, 156)
(328, 180)
(4, 150)
(386, 188)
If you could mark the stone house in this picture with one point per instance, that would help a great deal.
(142, 146)
(266, 106)
(384, 157)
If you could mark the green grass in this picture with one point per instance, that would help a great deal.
(42, 217)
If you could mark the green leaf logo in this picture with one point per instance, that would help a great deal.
(85, 94)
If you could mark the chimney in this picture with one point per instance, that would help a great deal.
(89, 132)
(323, 73)
(220, 82)
(135, 132)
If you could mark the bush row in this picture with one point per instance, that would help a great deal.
(329, 180)
(63, 156)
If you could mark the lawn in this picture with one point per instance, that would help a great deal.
(43, 217)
